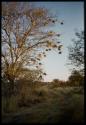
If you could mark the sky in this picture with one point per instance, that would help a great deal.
(72, 13)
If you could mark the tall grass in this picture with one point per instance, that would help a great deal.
(46, 104)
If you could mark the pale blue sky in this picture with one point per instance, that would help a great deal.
(73, 15)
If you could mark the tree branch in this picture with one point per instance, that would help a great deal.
(9, 43)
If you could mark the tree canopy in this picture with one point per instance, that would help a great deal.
(76, 51)
(76, 78)
(25, 37)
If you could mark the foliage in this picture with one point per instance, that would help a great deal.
(30, 74)
(66, 105)
(56, 80)
(76, 51)
(24, 39)
(76, 78)
(57, 83)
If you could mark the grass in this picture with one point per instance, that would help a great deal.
(55, 105)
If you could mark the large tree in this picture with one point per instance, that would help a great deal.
(76, 51)
(25, 39)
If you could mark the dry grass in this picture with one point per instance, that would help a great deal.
(45, 105)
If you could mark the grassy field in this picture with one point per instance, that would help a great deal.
(57, 105)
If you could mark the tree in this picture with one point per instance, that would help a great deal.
(30, 75)
(55, 80)
(76, 51)
(57, 83)
(24, 38)
(76, 78)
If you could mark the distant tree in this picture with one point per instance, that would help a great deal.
(76, 52)
(24, 38)
(55, 80)
(58, 83)
(76, 78)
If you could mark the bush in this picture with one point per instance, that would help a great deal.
(40, 92)
(28, 97)
(58, 84)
